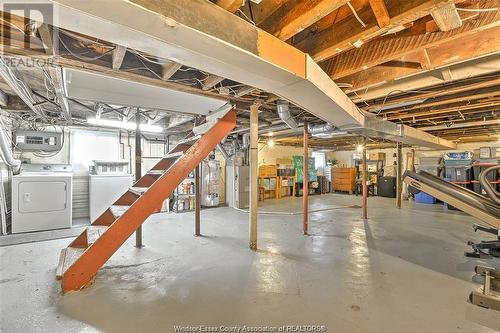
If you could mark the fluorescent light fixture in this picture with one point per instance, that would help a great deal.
(124, 125)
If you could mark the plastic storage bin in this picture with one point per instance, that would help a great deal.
(424, 198)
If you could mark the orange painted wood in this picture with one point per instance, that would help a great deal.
(81, 272)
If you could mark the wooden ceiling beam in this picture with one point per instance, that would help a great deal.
(341, 36)
(447, 17)
(230, 5)
(118, 56)
(170, 69)
(392, 47)
(296, 15)
(380, 12)
(264, 9)
(445, 54)
(438, 92)
(211, 81)
(466, 96)
(453, 109)
(328, 21)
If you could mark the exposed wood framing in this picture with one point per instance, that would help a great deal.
(392, 47)
(444, 54)
(211, 81)
(169, 69)
(265, 9)
(4, 99)
(380, 12)
(447, 17)
(46, 35)
(340, 37)
(118, 56)
(230, 5)
(296, 15)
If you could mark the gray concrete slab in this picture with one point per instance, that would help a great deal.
(400, 271)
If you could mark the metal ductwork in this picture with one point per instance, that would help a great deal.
(6, 153)
(324, 131)
(284, 113)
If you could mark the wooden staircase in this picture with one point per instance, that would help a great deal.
(80, 261)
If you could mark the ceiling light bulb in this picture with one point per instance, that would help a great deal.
(270, 143)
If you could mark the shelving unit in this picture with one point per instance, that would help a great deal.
(184, 195)
(280, 186)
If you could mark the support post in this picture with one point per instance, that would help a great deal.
(413, 160)
(399, 171)
(365, 179)
(305, 180)
(197, 201)
(254, 191)
(138, 167)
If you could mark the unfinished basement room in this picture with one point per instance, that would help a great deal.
(250, 166)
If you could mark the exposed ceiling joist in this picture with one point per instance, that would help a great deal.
(462, 125)
(447, 17)
(477, 67)
(169, 69)
(264, 9)
(444, 54)
(118, 56)
(46, 35)
(211, 81)
(230, 5)
(341, 36)
(380, 11)
(392, 47)
(296, 15)
(4, 99)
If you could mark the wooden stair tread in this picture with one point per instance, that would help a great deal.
(138, 190)
(189, 140)
(174, 155)
(67, 258)
(156, 172)
(94, 232)
(118, 211)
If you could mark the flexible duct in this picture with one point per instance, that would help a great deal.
(284, 113)
(325, 130)
(6, 153)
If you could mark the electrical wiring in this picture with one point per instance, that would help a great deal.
(79, 56)
(356, 14)
(146, 58)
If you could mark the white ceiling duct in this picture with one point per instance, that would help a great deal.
(95, 87)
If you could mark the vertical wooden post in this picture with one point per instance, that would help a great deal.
(254, 191)
(138, 167)
(413, 160)
(365, 179)
(305, 180)
(197, 212)
(399, 171)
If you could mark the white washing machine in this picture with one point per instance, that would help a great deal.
(41, 197)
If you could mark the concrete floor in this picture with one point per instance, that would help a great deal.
(402, 271)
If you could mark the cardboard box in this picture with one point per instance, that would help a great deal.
(377, 156)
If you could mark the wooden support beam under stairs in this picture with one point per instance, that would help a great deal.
(81, 260)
